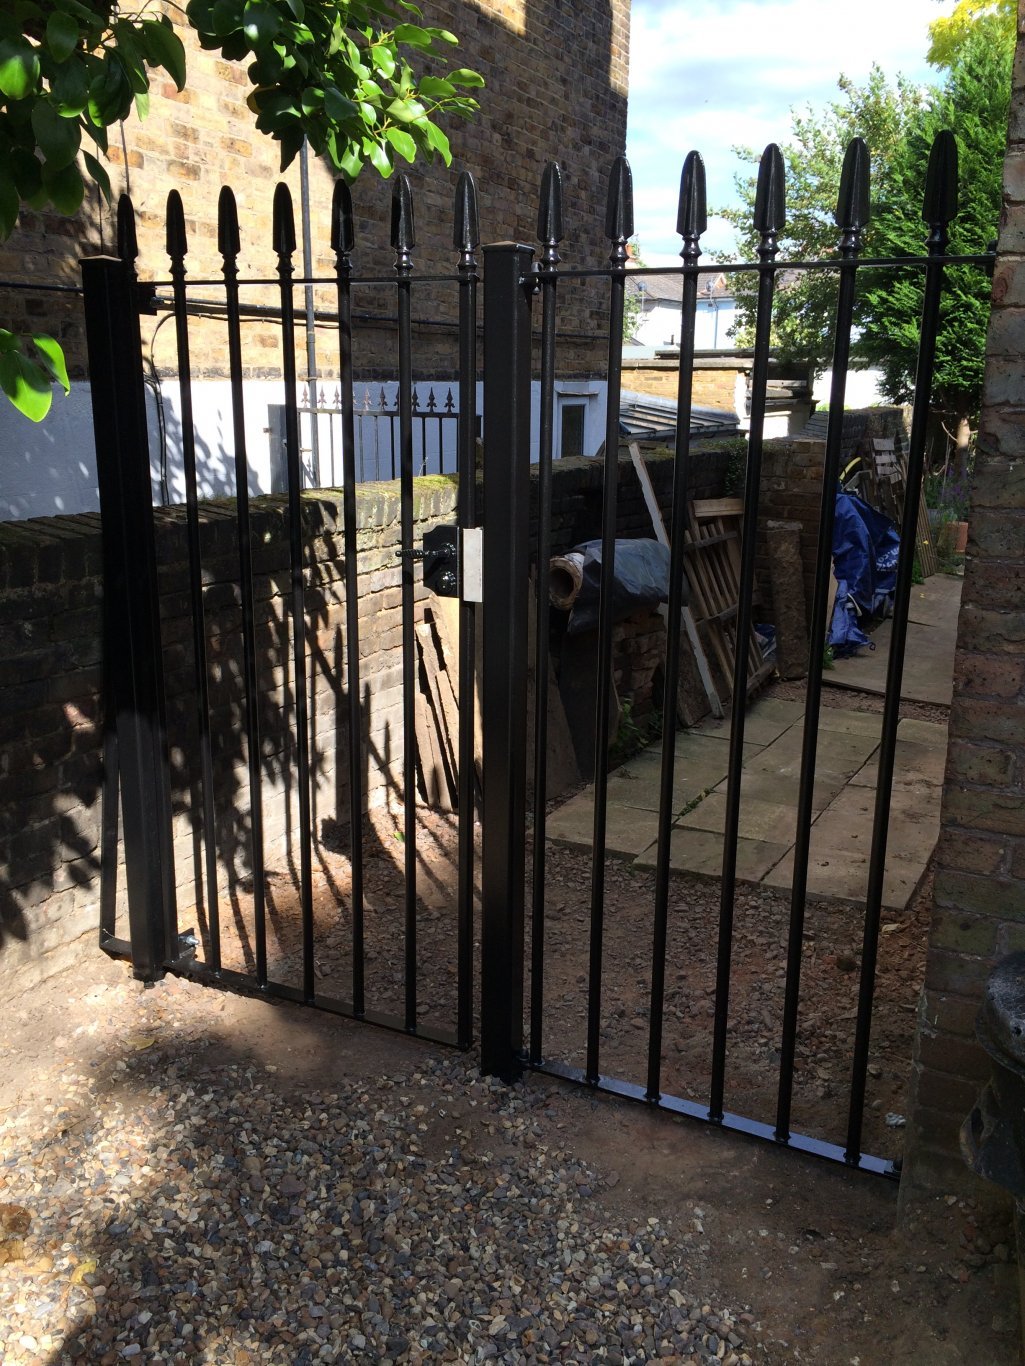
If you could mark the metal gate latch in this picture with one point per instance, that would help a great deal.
(441, 560)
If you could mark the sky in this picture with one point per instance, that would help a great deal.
(709, 74)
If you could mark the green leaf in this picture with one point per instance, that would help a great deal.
(99, 173)
(142, 104)
(350, 163)
(53, 359)
(26, 384)
(58, 139)
(225, 17)
(69, 88)
(61, 35)
(444, 35)
(65, 188)
(439, 143)
(402, 142)
(337, 107)
(412, 35)
(436, 88)
(383, 59)
(379, 159)
(110, 94)
(26, 172)
(463, 76)
(164, 48)
(261, 23)
(19, 68)
(405, 111)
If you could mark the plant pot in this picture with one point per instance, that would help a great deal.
(952, 538)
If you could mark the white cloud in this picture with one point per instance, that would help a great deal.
(710, 74)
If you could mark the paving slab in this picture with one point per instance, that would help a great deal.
(913, 765)
(924, 732)
(912, 827)
(839, 875)
(836, 752)
(629, 831)
(783, 788)
(929, 654)
(765, 721)
(837, 718)
(700, 851)
(759, 820)
(638, 783)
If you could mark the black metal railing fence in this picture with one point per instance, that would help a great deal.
(512, 282)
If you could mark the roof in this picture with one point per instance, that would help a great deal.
(669, 288)
(654, 419)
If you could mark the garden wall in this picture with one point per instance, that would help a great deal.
(50, 681)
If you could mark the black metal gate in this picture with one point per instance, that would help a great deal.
(136, 734)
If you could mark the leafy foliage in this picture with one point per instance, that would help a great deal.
(338, 72)
(899, 123)
(803, 315)
(327, 70)
(995, 18)
(974, 106)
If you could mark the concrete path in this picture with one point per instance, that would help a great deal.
(844, 798)
(929, 657)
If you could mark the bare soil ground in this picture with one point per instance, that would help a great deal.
(813, 1248)
(809, 1252)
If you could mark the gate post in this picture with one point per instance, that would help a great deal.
(133, 665)
(506, 464)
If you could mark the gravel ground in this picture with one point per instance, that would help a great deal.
(421, 1216)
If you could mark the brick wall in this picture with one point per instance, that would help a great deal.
(204, 137)
(979, 910)
(50, 677)
(714, 385)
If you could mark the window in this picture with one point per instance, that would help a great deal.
(572, 434)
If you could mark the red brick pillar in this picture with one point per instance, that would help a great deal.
(979, 907)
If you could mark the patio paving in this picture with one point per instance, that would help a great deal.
(843, 802)
(928, 655)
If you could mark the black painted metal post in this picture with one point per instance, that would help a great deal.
(132, 614)
(506, 536)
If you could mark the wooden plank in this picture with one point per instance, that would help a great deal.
(685, 703)
(445, 737)
(445, 612)
(432, 773)
(435, 712)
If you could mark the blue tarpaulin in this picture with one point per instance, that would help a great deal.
(865, 549)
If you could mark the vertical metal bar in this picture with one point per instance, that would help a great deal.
(769, 219)
(132, 646)
(506, 546)
(177, 247)
(852, 214)
(619, 226)
(466, 239)
(549, 231)
(403, 240)
(310, 311)
(228, 245)
(691, 221)
(939, 210)
(284, 246)
(342, 242)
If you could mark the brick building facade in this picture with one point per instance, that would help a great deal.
(556, 87)
(979, 910)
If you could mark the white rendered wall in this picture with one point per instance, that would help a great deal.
(49, 468)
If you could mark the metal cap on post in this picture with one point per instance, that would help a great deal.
(507, 288)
